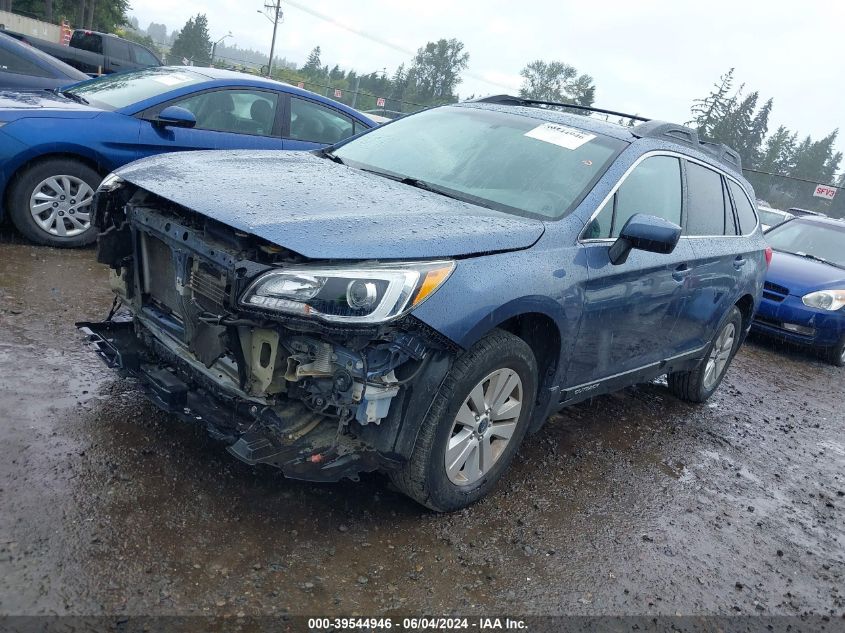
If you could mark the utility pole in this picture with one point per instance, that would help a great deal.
(274, 8)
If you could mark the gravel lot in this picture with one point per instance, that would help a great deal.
(634, 503)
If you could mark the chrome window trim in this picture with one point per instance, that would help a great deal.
(634, 165)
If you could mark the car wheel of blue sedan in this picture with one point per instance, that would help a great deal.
(836, 354)
(474, 426)
(51, 202)
(698, 384)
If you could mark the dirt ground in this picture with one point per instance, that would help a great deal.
(630, 504)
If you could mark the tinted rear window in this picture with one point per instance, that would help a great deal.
(87, 42)
(706, 209)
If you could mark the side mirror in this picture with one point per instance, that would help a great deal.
(646, 233)
(175, 116)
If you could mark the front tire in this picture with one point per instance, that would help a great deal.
(51, 202)
(697, 385)
(475, 424)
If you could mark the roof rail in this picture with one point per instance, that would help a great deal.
(648, 128)
(689, 137)
(511, 100)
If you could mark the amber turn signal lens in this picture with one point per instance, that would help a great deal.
(432, 281)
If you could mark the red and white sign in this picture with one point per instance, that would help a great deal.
(66, 33)
(338, 93)
(380, 102)
(823, 191)
(301, 84)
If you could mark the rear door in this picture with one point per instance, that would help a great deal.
(227, 118)
(630, 309)
(118, 55)
(715, 225)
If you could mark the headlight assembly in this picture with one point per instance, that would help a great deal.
(825, 300)
(347, 294)
(110, 183)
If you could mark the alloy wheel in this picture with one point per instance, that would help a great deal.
(719, 356)
(61, 205)
(483, 427)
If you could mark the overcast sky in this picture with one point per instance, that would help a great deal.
(651, 57)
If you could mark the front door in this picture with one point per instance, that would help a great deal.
(226, 119)
(631, 309)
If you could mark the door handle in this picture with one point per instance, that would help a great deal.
(681, 272)
(739, 262)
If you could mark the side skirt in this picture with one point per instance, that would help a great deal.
(647, 373)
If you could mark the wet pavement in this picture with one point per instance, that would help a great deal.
(634, 503)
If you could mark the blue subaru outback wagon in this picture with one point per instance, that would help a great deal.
(418, 298)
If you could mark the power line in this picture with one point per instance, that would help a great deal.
(380, 40)
(768, 173)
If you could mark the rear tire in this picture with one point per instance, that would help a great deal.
(502, 364)
(51, 202)
(697, 385)
(836, 354)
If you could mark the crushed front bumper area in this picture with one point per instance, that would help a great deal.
(303, 444)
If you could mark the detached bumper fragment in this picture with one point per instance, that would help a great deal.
(303, 445)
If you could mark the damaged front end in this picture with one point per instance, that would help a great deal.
(312, 367)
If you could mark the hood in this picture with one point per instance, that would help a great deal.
(802, 275)
(14, 105)
(323, 210)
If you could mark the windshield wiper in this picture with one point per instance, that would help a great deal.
(815, 258)
(73, 96)
(332, 157)
(427, 186)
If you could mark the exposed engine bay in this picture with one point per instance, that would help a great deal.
(319, 400)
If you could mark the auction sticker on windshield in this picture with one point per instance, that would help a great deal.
(171, 80)
(567, 137)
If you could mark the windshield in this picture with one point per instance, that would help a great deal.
(118, 91)
(809, 238)
(506, 161)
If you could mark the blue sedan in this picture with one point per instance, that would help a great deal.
(56, 146)
(804, 295)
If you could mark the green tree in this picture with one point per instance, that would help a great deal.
(158, 32)
(313, 67)
(436, 69)
(707, 112)
(101, 15)
(192, 43)
(556, 81)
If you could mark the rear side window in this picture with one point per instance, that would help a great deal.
(744, 210)
(317, 123)
(87, 42)
(653, 188)
(144, 57)
(708, 211)
(11, 63)
(119, 50)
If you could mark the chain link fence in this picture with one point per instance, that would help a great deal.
(785, 192)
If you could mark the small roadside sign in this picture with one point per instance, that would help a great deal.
(823, 191)
(380, 102)
(338, 93)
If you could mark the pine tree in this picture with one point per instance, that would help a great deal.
(709, 111)
(192, 43)
(313, 67)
